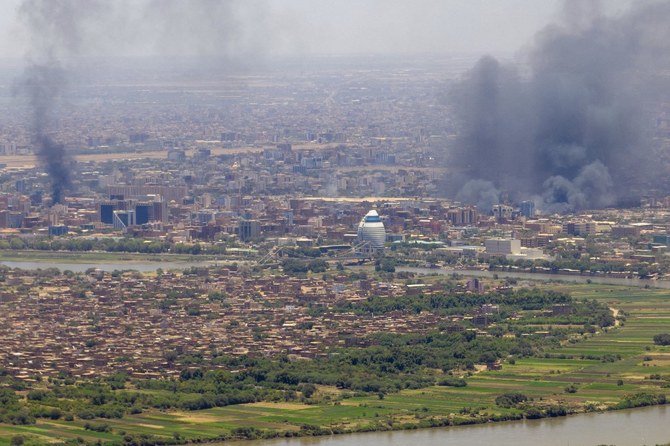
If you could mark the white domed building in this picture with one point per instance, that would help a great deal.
(371, 229)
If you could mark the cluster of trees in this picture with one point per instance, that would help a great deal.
(511, 399)
(393, 363)
(385, 264)
(455, 303)
(641, 399)
(662, 339)
(295, 266)
(452, 381)
(128, 244)
(534, 411)
(301, 251)
(575, 261)
(11, 409)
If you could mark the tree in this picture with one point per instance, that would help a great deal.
(386, 264)
(510, 399)
(318, 266)
(16, 243)
(293, 266)
(662, 339)
(307, 390)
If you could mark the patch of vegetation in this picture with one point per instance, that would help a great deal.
(511, 399)
(395, 377)
(662, 339)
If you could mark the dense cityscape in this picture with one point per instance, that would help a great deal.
(199, 249)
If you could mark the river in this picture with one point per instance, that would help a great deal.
(636, 282)
(636, 427)
(150, 266)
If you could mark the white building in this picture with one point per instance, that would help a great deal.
(371, 229)
(502, 246)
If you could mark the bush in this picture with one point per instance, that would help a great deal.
(556, 411)
(662, 339)
(37, 395)
(307, 390)
(452, 382)
(534, 414)
(641, 399)
(510, 399)
(571, 389)
(97, 427)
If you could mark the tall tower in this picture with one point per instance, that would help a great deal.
(528, 209)
(371, 229)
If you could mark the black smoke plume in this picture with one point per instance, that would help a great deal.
(42, 84)
(572, 127)
(55, 30)
(62, 31)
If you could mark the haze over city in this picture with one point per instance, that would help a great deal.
(254, 220)
(294, 27)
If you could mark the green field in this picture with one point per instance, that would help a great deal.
(599, 385)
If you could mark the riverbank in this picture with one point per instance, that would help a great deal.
(621, 428)
(55, 257)
(543, 277)
(82, 261)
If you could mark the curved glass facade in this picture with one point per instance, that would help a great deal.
(371, 229)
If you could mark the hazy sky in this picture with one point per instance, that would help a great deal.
(141, 27)
(352, 26)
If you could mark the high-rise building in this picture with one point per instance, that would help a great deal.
(160, 210)
(459, 216)
(371, 229)
(528, 208)
(107, 212)
(143, 213)
(249, 229)
(580, 228)
(502, 211)
(123, 219)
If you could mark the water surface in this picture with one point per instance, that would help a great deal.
(636, 427)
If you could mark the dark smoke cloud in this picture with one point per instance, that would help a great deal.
(61, 31)
(573, 132)
(57, 31)
(479, 192)
(42, 84)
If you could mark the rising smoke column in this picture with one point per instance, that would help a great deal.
(55, 29)
(573, 133)
(42, 84)
(60, 31)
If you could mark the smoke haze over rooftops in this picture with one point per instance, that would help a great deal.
(563, 135)
(574, 132)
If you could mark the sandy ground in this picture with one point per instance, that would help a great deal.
(27, 161)
(615, 313)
